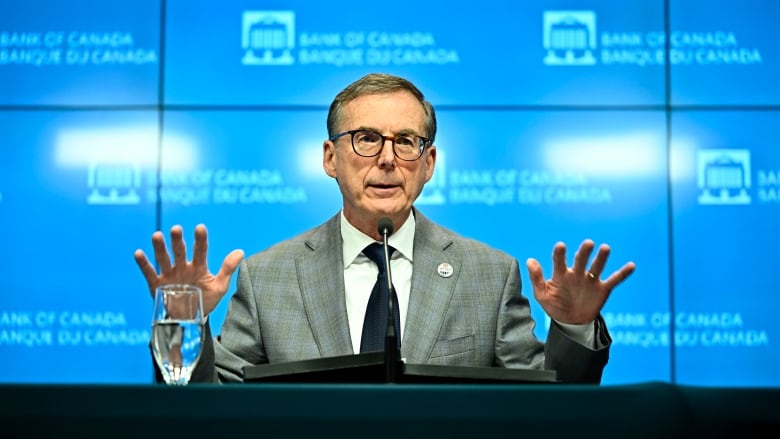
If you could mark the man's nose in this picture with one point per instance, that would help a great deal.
(387, 153)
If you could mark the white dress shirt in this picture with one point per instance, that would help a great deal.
(360, 273)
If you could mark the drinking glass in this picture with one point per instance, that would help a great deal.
(177, 331)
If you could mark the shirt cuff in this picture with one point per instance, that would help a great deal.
(592, 335)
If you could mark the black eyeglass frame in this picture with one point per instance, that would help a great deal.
(424, 142)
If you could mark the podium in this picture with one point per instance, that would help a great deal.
(371, 368)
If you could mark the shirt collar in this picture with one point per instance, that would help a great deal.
(355, 240)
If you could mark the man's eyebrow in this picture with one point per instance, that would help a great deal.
(402, 132)
(406, 132)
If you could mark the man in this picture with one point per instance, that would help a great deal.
(459, 301)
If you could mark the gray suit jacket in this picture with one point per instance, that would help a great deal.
(290, 305)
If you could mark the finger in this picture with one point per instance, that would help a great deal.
(536, 276)
(200, 250)
(178, 246)
(619, 276)
(160, 252)
(229, 265)
(559, 259)
(582, 256)
(147, 269)
(600, 261)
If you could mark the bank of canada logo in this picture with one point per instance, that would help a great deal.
(433, 193)
(113, 184)
(724, 176)
(268, 38)
(569, 38)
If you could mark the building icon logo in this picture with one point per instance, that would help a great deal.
(113, 184)
(723, 176)
(268, 38)
(569, 38)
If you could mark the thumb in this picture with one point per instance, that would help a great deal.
(536, 275)
(229, 265)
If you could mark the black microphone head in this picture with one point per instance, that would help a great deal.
(385, 226)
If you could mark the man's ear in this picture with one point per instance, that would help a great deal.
(329, 158)
(430, 162)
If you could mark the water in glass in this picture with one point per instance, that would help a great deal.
(177, 331)
(177, 347)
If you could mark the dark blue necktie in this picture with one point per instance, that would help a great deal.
(375, 323)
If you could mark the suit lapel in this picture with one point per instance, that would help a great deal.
(321, 280)
(430, 292)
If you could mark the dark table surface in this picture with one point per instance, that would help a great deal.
(386, 410)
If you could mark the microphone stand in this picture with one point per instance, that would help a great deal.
(391, 338)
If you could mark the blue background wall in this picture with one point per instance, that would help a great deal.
(648, 125)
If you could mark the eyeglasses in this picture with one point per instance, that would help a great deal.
(367, 143)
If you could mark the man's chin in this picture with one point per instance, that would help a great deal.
(376, 213)
(386, 207)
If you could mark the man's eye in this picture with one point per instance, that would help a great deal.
(404, 141)
(369, 137)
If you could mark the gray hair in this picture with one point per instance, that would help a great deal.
(379, 83)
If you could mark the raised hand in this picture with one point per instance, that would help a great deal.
(182, 271)
(576, 295)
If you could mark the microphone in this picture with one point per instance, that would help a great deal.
(385, 229)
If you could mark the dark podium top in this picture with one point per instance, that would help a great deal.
(371, 368)
(385, 410)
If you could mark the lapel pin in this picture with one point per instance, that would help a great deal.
(445, 269)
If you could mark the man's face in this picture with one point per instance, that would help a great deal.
(384, 185)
